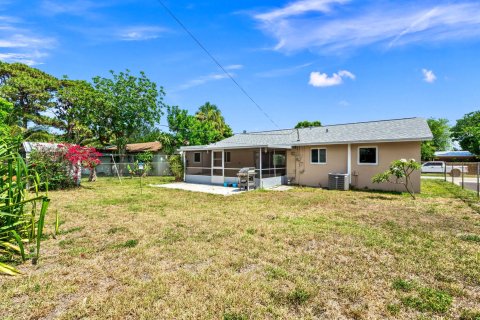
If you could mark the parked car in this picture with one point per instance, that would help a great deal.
(439, 167)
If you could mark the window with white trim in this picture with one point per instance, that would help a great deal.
(227, 156)
(367, 155)
(318, 156)
(197, 157)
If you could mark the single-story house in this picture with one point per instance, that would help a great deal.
(455, 156)
(110, 159)
(306, 156)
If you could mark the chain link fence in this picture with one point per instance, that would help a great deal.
(111, 166)
(463, 174)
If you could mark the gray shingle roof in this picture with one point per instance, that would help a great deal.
(408, 129)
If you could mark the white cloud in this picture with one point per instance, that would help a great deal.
(344, 103)
(318, 79)
(299, 7)
(429, 76)
(23, 41)
(202, 80)
(72, 7)
(27, 58)
(234, 67)
(328, 31)
(140, 33)
(282, 71)
(18, 44)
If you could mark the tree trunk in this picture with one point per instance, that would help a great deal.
(93, 175)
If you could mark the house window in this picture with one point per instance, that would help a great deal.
(367, 155)
(197, 157)
(318, 156)
(227, 156)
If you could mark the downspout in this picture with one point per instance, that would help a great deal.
(349, 163)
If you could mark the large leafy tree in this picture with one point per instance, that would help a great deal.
(441, 138)
(206, 126)
(6, 109)
(467, 132)
(31, 92)
(308, 124)
(77, 103)
(128, 104)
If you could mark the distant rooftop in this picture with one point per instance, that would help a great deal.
(460, 153)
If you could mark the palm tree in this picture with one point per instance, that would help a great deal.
(211, 113)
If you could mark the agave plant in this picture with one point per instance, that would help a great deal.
(22, 209)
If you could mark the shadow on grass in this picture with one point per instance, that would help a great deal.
(380, 194)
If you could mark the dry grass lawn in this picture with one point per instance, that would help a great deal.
(305, 253)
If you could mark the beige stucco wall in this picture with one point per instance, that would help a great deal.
(301, 171)
(387, 152)
(311, 174)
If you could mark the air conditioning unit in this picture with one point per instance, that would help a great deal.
(338, 181)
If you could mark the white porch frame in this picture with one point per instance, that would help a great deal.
(218, 179)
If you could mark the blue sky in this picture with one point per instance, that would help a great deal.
(330, 60)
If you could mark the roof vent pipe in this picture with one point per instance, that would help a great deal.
(298, 135)
(326, 130)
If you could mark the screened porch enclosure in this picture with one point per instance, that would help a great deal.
(220, 166)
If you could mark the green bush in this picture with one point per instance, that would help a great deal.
(53, 168)
(176, 166)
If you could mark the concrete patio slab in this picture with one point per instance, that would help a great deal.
(205, 188)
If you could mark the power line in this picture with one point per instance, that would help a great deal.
(216, 61)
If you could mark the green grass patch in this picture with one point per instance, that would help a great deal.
(445, 189)
(298, 296)
(127, 244)
(276, 273)
(393, 309)
(403, 285)
(470, 237)
(234, 316)
(428, 299)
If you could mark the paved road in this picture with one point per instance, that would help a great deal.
(469, 183)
